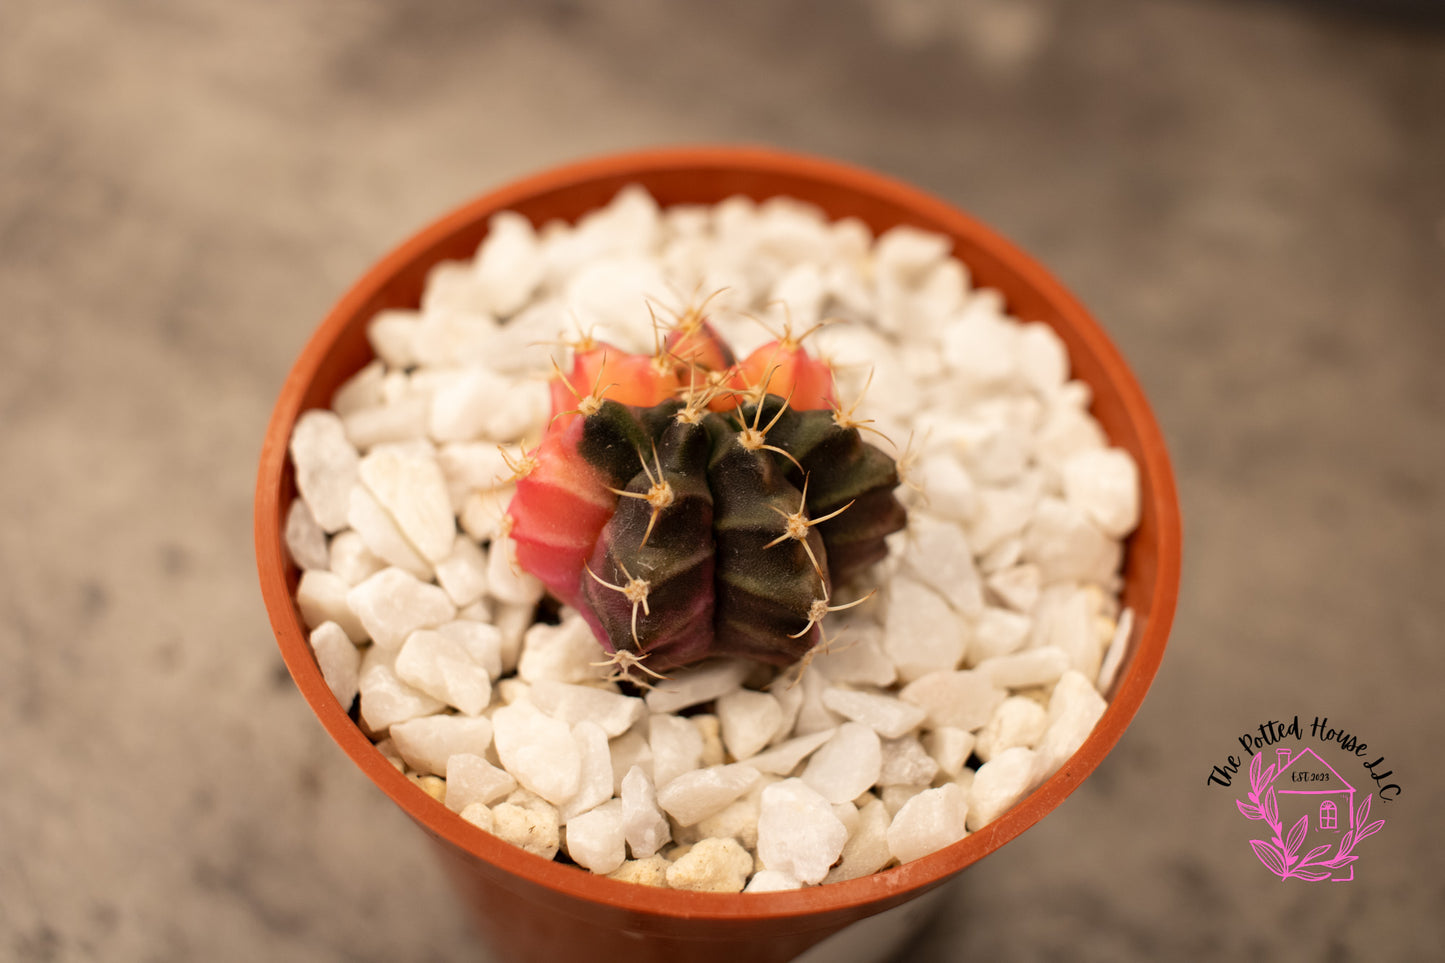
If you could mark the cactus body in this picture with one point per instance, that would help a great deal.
(682, 532)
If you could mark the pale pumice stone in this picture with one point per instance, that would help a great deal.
(446, 669)
(323, 597)
(463, 572)
(998, 784)
(538, 751)
(748, 720)
(648, 871)
(595, 839)
(798, 832)
(392, 604)
(644, 826)
(1018, 722)
(380, 535)
(738, 819)
(923, 633)
(712, 866)
(613, 712)
(693, 796)
(713, 753)
(351, 559)
(964, 699)
(339, 660)
(866, 850)
(594, 785)
(929, 821)
(846, 765)
(325, 462)
(884, 714)
(509, 263)
(427, 743)
(305, 540)
(536, 831)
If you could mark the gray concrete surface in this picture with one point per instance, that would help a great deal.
(1250, 196)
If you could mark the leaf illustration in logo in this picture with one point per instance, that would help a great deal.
(1315, 853)
(1268, 855)
(1313, 875)
(1370, 830)
(1362, 812)
(1250, 812)
(1271, 807)
(1296, 836)
(1256, 771)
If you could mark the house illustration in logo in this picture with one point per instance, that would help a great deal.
(1306, 785)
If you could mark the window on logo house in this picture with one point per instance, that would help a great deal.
(1327, 815)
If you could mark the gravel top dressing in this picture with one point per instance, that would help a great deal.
(793, 694)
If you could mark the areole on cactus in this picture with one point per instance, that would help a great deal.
(689, 505)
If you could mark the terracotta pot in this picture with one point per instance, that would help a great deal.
(533, 909)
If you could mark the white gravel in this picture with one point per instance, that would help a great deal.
(970, 678)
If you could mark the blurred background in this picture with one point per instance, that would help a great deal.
(1250, 196)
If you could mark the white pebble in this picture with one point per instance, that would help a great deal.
(1104, 485)
(560, 653)
(1067, 546)
(997, 632)
(508, 264)
(695, 685)
(783, 758)
(867, 849)
(392, 604)
(998, 784)
(965, 700)
(463, 572)
(884, 714)
(322, 597)
(693, 796)
(644, 826)
(798, 832)
(409, 486)
(614, 713)
(858, 657)
(594, 784)
(846, 765)
(1022, 670)
(538, 751)
(445, 667)
(351, 559)
(401, 420)
(479, 816)
(1118, 647)
(339, 661)
(1074, 708)
(325, 462)
(427, 743)
(938, 556)
(361, 390)
(305, 540)
(1018, 722)
(771, 881)
(386, 700)
(923, 633)
(477, 404)
(507, 581)
(1017, 586)
(907, 763)
(950, 747)
(749, 720)
(595, 839)
(381, 536)
(392, 335)
(676, 748)
(472, 466)
(929, 821)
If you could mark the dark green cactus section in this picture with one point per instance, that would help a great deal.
(714, 548)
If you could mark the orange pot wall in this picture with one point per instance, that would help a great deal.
(533, 909)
